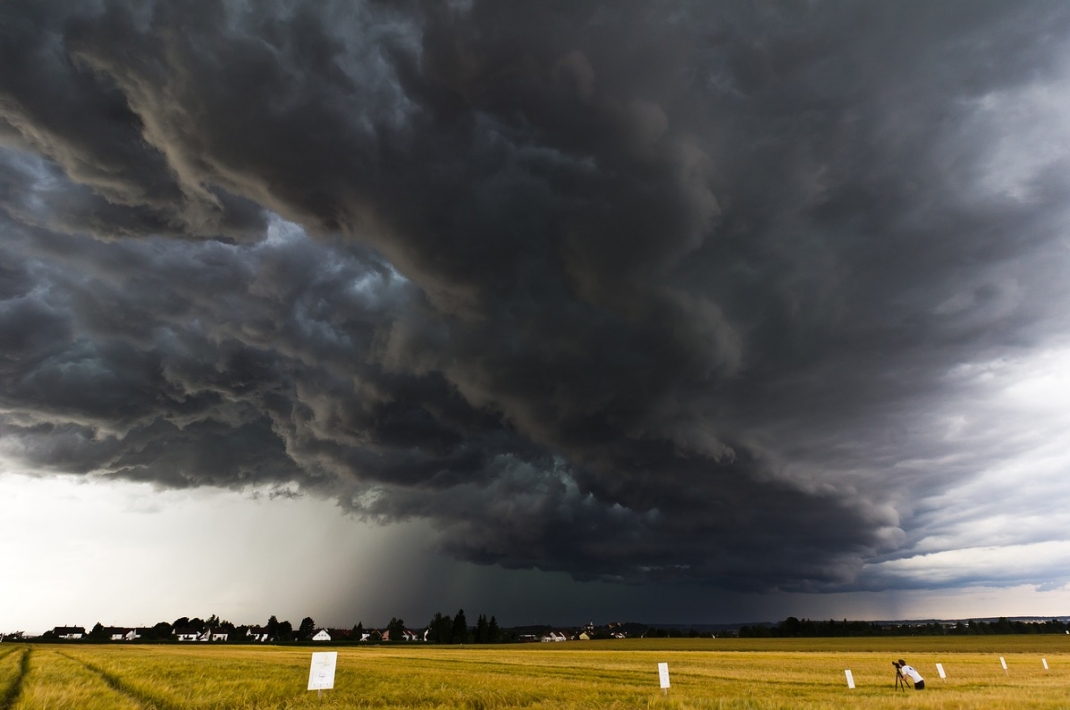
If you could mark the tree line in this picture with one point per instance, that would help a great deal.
(442, 629)
(805, 628)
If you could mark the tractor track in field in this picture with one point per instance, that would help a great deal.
(11, 694)
(116, 683)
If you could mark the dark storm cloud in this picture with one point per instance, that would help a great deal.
(632, 291)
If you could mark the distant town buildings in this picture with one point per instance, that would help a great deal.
(69, 633)
(216, 635)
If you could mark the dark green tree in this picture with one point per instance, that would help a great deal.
(482, 629)
(459, 633)
(493, 632)
(395, 628)
(286, 631)
(307, 628)
(272, 627)
(358, 631)
(441, 629)
(790, 627)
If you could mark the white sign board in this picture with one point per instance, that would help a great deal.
(1045, 662)
(1003, 662)
(321, 674)
(850, 680)
(940, 670)
(663, 675)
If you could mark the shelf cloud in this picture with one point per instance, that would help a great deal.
(750, 296)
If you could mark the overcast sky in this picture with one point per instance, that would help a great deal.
(659, 311)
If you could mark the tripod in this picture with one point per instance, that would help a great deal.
(900, 682)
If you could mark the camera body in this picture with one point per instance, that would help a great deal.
(896, 664)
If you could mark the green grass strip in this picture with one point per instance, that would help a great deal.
(117, 683)
(14, 690)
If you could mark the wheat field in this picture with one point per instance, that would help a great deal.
(752, 674)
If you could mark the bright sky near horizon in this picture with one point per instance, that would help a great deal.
(125, 554)
(601, 311)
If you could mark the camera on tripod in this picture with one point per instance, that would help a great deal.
(900, 682)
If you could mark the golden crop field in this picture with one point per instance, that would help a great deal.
(752, 674)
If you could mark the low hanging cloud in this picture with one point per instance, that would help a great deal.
(637, 293)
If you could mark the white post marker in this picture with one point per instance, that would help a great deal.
(321, 673)
(1045, 662)
(1003, 662)
(850, 680)
(663, 676)
(940, 670)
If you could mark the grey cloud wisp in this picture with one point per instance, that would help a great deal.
(639, 292)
